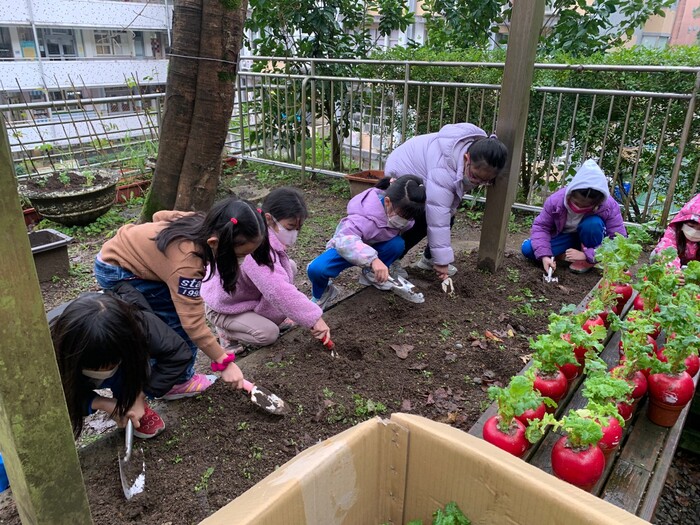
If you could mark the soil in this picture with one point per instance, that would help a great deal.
(62, 181)
(435, 359)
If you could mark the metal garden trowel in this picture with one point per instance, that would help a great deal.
(547, 277)
(132, 466)
(265, 399)
(404, 289)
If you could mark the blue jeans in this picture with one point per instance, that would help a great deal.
(158, 296)
(590, 233)
(329, 264)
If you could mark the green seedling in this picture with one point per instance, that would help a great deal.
(203, 482)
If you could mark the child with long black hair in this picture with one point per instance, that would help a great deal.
(369, 237)
(105, 341)
(167, 260)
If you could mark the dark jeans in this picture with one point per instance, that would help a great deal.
(417, 233)
(157, 294)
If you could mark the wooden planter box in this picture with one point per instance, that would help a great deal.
(50, 252)
(363, 180)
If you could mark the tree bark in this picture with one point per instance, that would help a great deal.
(198, 104)
(221, 37)
(180, 95)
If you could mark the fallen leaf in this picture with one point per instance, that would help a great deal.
(502, 317)
(451, 417)
(489, 335)
(488, 374)
(418, 366)
(526, 358)
(450, 357)
(430, 400)
(480, 344)
(406, 405)
(401, 350)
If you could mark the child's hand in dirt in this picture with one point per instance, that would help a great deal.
(549, 262)
(441, 271)
(321, 331)
(573, 255)
(233, 375)
(381, 272)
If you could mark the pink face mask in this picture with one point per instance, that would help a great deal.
(576, 209)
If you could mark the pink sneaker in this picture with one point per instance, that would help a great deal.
(151, 425)
(197, 384)
(580, 267)
(286, 325)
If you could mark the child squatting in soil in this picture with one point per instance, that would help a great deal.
(265, 300)
(451, 162)
(369, 237)
(167, 260)
(683, 234)
(574, 221)
(105, 340)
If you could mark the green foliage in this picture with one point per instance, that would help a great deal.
(603, 388)
(549, 352)
(516, 398)
(366, 408)
(203, 482)
(581, 429)
(634, 331)
(575, 26)
(450, 515)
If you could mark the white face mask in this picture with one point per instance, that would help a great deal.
(691, 233)
(241, 259)
(285, 236)
(398, 222)
(100, 375)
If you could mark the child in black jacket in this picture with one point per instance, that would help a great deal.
(113, 340)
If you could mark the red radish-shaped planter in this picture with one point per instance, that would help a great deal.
(624, 293)
(637, 380)
(625, 409)
(692, 363)
(581, 466)
(668, 395)
(612, 435)
(596, 320)
(530, 414)
(512, 441)
(552, 385)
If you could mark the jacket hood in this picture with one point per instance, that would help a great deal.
(589, 175)
(455, 140)
(369, 204)
(689, 212)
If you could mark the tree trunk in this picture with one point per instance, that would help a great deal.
(179, 106)
(198, 104)
(221, 37)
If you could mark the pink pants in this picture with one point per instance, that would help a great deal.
(247, 327)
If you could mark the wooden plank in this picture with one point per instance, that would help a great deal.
(526, 23)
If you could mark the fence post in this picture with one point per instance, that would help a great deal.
(681, 149)
(313, 114)
(512, 119)
(404, 110)
(302, 98)
(35, 432)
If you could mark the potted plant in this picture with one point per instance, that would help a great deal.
(551, 352)
(363, 180)
(518, 404)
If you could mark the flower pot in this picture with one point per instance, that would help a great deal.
(50, 252)
(668, 395)
(75, 206)
(31, 217)
(363, 180)
(133, 190)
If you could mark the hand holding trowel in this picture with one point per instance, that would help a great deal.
(547, 277)
(132, 466)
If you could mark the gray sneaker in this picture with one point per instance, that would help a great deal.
(330, 294)
(367, 279)
(396, 270)
(427, 264)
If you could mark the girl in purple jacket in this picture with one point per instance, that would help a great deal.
(265, 299)
(369, 237)
(574, 221)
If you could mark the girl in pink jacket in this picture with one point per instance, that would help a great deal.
(683, 234)
(265, 298)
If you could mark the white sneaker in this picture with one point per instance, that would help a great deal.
(330, 294)
(427, 264)
(396, 270)
(367, 279)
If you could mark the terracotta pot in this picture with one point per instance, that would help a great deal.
(132, 190)
(668, 395)
(363, 180)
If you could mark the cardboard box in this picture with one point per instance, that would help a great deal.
(397, 470)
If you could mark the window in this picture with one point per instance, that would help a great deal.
(654, 41)
(57, 44)
(110, 43)
(122, 106)
(5, 43)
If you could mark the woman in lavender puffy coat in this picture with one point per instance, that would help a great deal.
(265, 299)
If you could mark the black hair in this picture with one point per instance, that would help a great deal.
(95, 331)
(591, 194)
(407, 195)
(285, 203)
(249, 225)
(488, 152)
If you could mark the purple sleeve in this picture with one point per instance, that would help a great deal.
(541, 232)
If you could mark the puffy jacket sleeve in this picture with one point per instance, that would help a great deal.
(275, 287)
(541, 231)
(348, 242)
(438, 213)
(669, 240)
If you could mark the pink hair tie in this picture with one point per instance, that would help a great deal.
(234, 220)
(259, 210)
